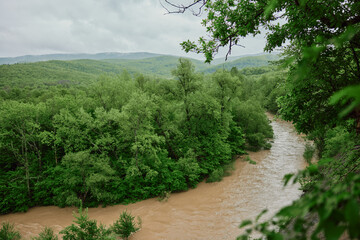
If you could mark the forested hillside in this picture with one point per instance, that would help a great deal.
(65, 57)
(244, 62)
(86, 71)
(117, 138)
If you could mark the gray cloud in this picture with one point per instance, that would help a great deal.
(68, 26)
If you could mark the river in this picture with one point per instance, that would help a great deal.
(210, 211)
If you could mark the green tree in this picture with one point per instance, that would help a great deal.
(7, 232)
(226, 88)
(19, 137)
(46, 234)
(85, 229)
(81, 130)
(125, 226)
(111, 92)
(137, 127)
(187, 84)
(84, 175)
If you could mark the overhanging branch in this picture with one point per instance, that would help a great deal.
(181, 8)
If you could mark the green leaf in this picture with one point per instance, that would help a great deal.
(287, 178)
(290, 211)
(324, 161)
(261, 214)
(243, 237)
(333, 232)
(245, 223)
(324, 212)
(352, 217)
(350, 92)
(313, 169)
(275, 236)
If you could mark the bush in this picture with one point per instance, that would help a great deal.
(250, 116)
(164, 196)
(228, 168)
(7, 232)
(338, 141)
(248, 159)
(309, 152)
(46, 234)
(85, 229)
(216, 176)
(125, 225)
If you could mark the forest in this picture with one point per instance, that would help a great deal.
(124, 138)
(127, 137)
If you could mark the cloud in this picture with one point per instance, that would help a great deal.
(67, 26)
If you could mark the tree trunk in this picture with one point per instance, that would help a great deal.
(357, 119)
(26, 165)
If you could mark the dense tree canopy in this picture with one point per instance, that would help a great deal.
(123, 138)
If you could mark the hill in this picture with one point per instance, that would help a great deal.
(97, 56)
(244, 62)
(55, 72)
(83, 71)
(159, 66)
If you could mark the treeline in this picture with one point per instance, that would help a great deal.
(122, 139)
(81, 72)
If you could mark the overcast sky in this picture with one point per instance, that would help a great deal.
(91, 26)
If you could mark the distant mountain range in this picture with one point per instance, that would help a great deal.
(108, 55)
(66, 57)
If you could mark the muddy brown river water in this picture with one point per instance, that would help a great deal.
(210, 211)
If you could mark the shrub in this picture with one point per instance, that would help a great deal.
(255, 141)
(309, 152)
(46, 234)
(228, 168)
(85, 229)
(7, 232)
(125, 225)
(338, 141)
(164, 196)
(216, 176)
(248, 159)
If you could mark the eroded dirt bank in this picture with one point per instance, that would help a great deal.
(211, 211)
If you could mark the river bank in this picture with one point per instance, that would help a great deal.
(210, 211)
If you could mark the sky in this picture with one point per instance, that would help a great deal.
(35, 27)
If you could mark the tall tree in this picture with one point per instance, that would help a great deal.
(19, 138)
(84, 175)
(187, 85)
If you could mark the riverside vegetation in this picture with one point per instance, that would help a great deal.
(85, 229)
(124, 138)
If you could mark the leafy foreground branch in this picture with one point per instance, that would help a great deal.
(83, 229)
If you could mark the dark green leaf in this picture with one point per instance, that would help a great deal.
(245, 223)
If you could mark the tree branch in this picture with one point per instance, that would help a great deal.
(183, 8)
